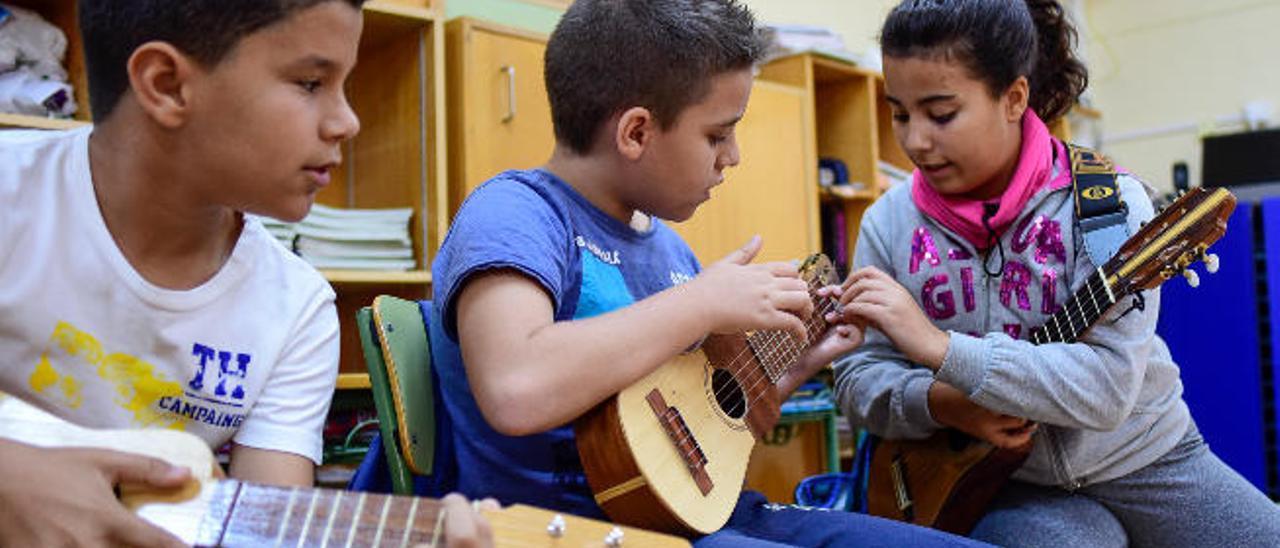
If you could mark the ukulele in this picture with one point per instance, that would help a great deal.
(670, 452)
(947, 480)
(209, 511)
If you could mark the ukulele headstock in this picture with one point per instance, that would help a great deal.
(818, 267)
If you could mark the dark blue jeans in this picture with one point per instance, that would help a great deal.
(756, 523)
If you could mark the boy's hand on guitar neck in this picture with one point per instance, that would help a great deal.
(737, 296)
(871, 296)
(65, 497)
(950, 407)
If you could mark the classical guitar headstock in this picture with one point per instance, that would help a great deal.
(1168, 245)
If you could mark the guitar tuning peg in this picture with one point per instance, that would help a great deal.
(1193, 279)
(1211, 263)
(614, 538)
(556, 527)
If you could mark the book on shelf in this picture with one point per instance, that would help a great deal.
(349, 239)
(318, 247)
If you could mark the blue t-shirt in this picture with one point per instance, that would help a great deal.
(589, 263)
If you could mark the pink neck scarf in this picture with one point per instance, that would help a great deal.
(1035, 167)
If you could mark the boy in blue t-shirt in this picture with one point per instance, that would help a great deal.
(559, 287)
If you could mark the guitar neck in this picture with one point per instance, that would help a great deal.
(777, 351)
(1081, 311)
(242, 514)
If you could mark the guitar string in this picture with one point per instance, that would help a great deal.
(748, 382)
(413, 523)
(679, 438)
(815, 322)
(738, 360)
(791, 353)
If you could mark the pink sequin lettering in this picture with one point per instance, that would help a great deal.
(1013, 330)
(941, 306)
(966, 287)
(923, 249)
(1015, 281)
(1049, 291)
(1026, 233)
(1050, 243)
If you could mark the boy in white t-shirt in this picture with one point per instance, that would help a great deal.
(134, 292)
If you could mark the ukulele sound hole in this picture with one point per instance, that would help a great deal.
(728, 394)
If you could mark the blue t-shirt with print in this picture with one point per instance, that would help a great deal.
(589, 263)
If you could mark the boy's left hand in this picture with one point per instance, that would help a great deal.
(870, 295)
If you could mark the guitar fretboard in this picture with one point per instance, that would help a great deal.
(777, 351)
(242, 514)
(1079, 312)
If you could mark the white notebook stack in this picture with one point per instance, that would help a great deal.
(356, 239)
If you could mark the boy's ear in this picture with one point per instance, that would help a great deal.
(159, 77)
(1016, 98)
(635, 130)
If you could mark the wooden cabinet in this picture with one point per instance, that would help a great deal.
(770, 192)
(500, 117)
(397, 160)
(851, 122)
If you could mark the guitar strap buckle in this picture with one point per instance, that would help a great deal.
(1100, 213)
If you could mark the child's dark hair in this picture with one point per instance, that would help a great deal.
(998, 41)
(609, 55)
(204, 29)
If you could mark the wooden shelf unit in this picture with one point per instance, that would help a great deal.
(398, 160)
(22, 121)
(500, 117)
(851, 123)
(353, 381)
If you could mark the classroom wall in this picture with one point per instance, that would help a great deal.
(535, 16)
(1162, 69)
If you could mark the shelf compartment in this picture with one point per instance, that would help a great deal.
(377, 277)
(22, 121)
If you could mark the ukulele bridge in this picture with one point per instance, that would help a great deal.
(686, 445)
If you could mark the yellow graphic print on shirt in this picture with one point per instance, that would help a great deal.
(137, 385)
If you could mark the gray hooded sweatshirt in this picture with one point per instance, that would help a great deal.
(1107, 405)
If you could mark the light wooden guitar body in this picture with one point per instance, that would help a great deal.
(670, 452)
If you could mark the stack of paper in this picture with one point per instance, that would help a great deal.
(359, 239)
(788, 39)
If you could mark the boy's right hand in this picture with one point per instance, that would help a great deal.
(950, 407)
(65, 497)
(738, 296)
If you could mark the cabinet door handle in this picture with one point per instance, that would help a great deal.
(510, 71)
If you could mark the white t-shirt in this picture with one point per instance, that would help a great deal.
(251, 355)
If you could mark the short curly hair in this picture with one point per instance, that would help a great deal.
(608, 55)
